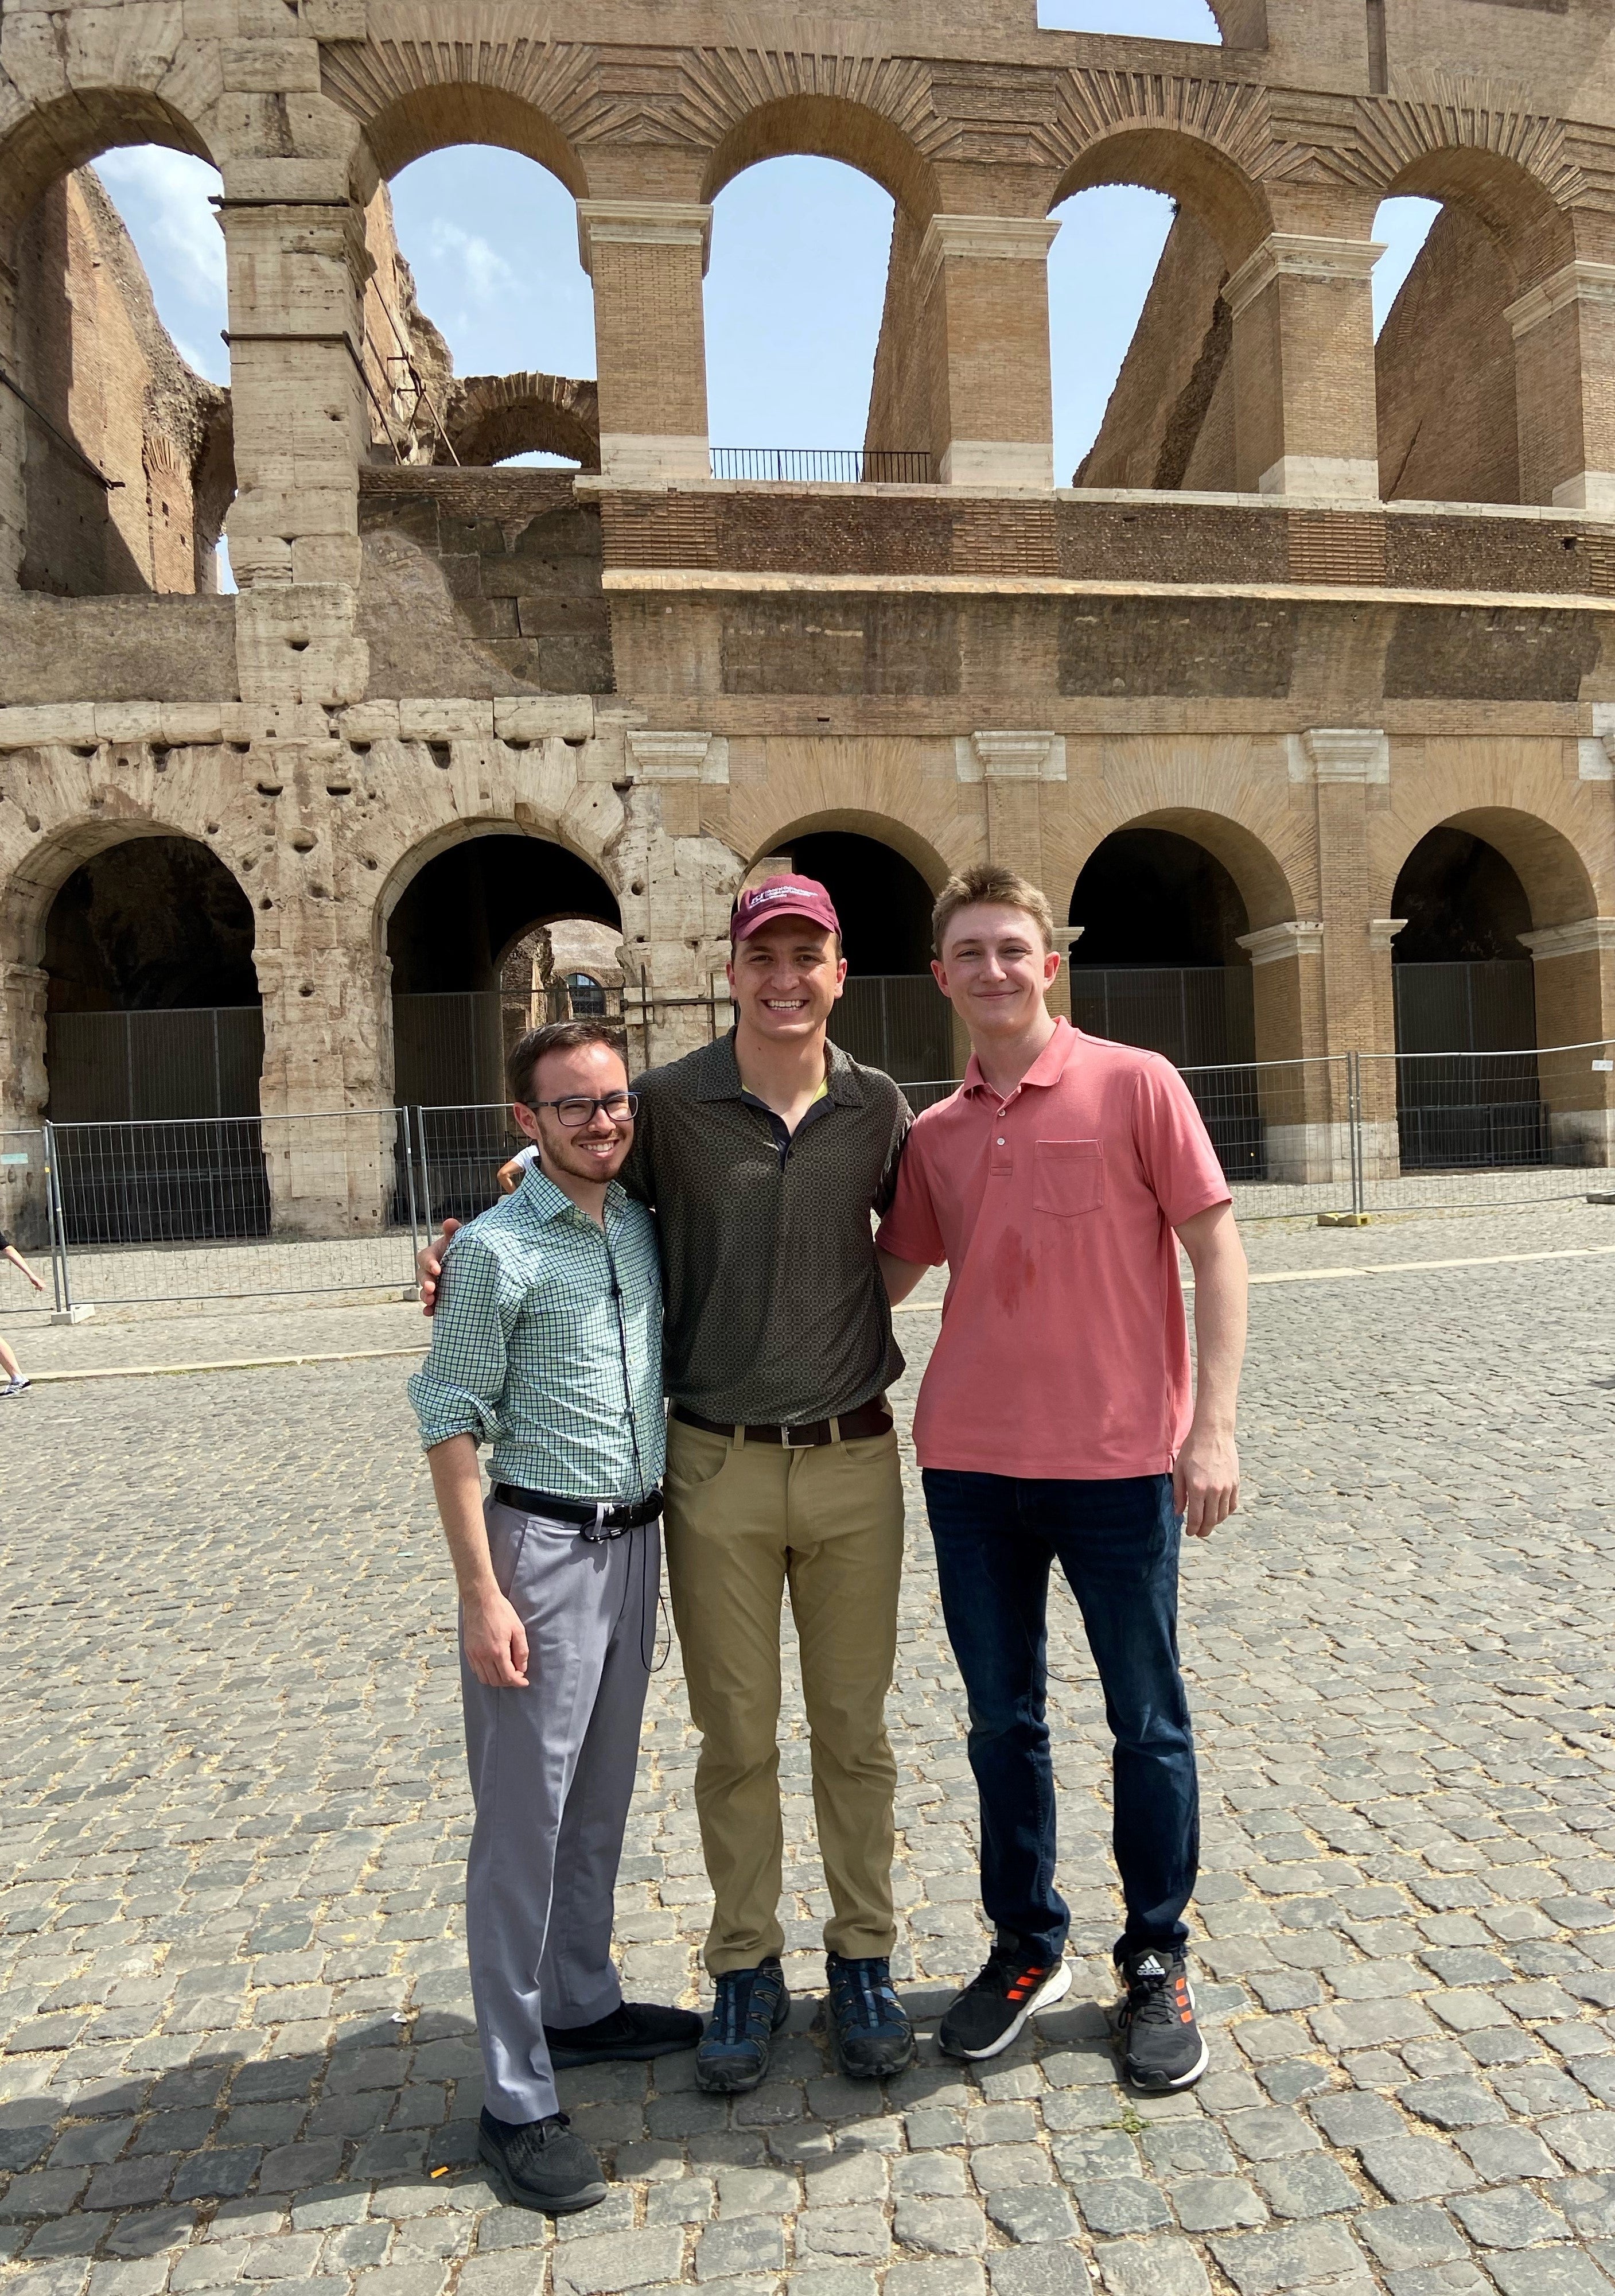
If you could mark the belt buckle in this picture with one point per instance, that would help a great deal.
(787, 1445)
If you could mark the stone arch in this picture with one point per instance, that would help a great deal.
(549, 830)
(27, 893)
(884, 829)
(1509, 169)
(492, 416)
(1262, 880)
(1185, 160)
(406, 109)
(54, 138)
(1558, 882)
(827, 127)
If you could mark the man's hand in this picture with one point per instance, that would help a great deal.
(495, 1641)
(1205, 1482)
(428, 1265)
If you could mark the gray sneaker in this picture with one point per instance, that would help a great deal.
(18, 1386)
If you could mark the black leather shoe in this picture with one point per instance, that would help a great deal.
(871, 2029)
(540, 2163)
(634, 2030)
(750, 2007)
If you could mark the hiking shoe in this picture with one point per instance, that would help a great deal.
(634, 2029)
(750, 2007)
(540, 2163)
(987, 2016)
(870, 2027)
(1160, 2042)
(18, 1386)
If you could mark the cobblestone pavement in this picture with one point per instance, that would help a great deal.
(233, 2000)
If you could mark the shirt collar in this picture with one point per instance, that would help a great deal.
(719, 1077)
(1047, 1069)
(544, 1202)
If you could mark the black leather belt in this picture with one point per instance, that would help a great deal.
(852, 1427)
(593, 1517)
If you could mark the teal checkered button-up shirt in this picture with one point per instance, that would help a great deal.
(547, 1344)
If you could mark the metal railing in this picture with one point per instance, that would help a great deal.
(253, 1207)
(846, 466)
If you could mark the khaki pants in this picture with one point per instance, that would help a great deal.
(743, 1520)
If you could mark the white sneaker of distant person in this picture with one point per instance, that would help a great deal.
(16, 1387)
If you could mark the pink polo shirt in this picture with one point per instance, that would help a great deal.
(1063, 1350)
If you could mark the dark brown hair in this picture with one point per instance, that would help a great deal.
(555, 1036)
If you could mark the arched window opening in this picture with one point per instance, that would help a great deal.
(129, 452)
(1468, 1085)
(567, 970)
(1445, 357)
(1159, 963)
(891, 1015)
(795, 295)
(154, 1044)
(1144, 19)
(479, 317)
(464, 991)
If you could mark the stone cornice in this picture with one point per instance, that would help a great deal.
(1576, 282)
(641, 223)
(979, 239)
(1585, 935)
(1274, 944)
(1292, 255)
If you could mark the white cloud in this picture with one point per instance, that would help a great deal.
(485, 271)
(163, 197)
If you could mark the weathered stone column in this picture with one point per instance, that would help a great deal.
(23, 1086)
(1564, 358)
(1015, 767)
(295, 270)
(981, 284)
(1303, 1118)
(1381, 1139)
(678, 888)
(1306, 414)
(647, 258)
(1574, 984)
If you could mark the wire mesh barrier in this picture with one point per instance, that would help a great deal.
(192, 1061)
(1198, 1015)
(853, 466)
(225, 1207)
(234, 1207)
(28, 1219)
(1457, 1130)
(898, 1021)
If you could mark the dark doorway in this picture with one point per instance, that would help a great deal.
(154, 1047)
(1468, 1089)
(1159, 965)
(891, 1014)
(453, 1025)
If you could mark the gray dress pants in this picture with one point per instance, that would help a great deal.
(551, 1772)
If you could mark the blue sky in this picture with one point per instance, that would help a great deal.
(793, 297)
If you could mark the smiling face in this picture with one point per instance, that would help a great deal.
(994, 968)
(597, 1150)
(785, 977)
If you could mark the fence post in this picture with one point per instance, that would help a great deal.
(401, 1118)
(61, 1282)
(420, 1117)
(1353, 1118)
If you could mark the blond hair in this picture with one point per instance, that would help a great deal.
(990, 881)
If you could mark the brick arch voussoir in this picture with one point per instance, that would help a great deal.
(491, 417)
(53, 139)
(1559, 882)
(1214, 178)
(827, 127)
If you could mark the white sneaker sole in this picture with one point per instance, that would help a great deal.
(1054, 1988)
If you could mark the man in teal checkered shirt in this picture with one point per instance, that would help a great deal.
(548, 1348)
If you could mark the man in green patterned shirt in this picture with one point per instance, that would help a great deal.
(548, 1347)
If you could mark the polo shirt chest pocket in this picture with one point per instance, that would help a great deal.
(1068, 1176)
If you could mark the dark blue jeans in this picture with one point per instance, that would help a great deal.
(1118, 1545)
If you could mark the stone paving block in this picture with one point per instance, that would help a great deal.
(1120, 2204)
(1508, 2215)
(1548, 2272)
(1499, 2153)
(1263, 2263)
(1415, 2168)
(1454, 2102)
(1583, 2140)
(1216, 2203)
(935, 2276)
(1404, 2237)
(1151, 2267)
(602, 2266)
(1053, 2271)
(834, 2234)
(1032, 2213)
(1313, 2186)
(1272, 2133)
(752, 2243)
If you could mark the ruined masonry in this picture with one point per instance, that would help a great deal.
(1308, 605)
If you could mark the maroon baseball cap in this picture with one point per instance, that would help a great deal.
(782, 896)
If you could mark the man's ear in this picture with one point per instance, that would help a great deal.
(526, 1121)
(1051, 968)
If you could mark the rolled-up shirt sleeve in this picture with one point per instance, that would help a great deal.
(459, 1389)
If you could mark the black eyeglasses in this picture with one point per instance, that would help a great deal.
(575, 1111)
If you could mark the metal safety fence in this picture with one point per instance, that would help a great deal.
(137, 1213)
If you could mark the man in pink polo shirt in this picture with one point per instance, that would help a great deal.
(1056, 1423)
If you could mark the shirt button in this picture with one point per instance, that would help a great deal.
(1000, 1140)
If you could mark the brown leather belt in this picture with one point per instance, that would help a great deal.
(870, 1418)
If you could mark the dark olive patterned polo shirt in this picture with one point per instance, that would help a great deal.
(775, 1310)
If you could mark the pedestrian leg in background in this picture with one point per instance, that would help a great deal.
(15, 1383)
